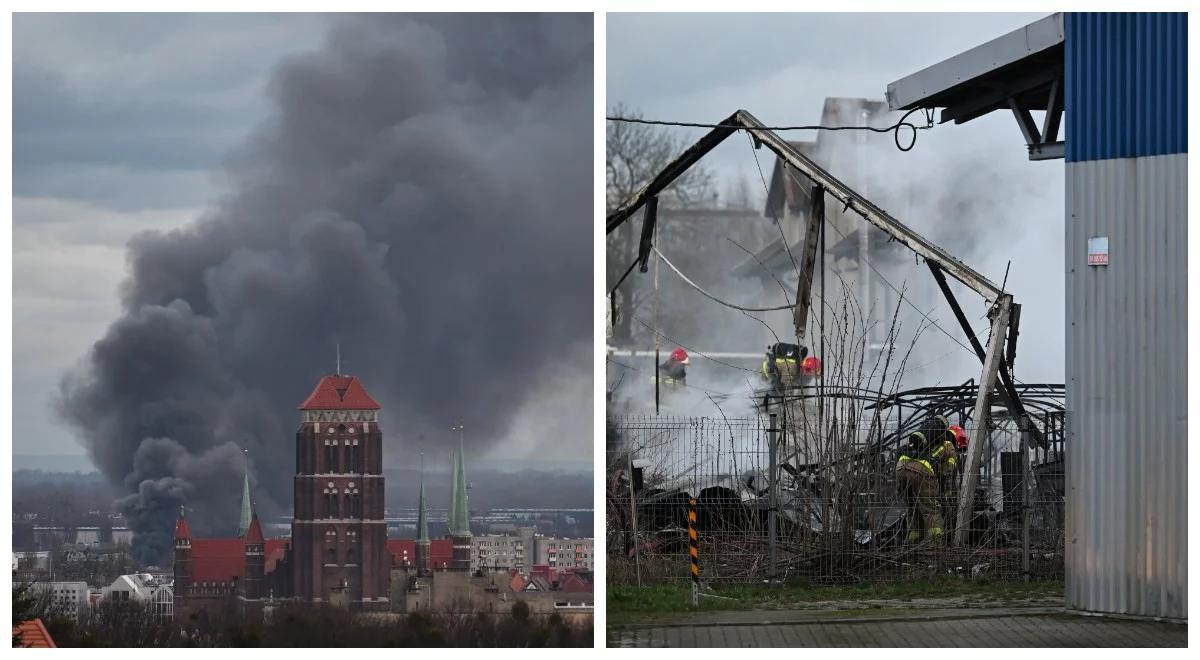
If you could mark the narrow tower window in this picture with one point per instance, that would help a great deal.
(331, 504)
(330, 455)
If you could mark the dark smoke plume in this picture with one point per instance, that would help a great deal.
(422, 195)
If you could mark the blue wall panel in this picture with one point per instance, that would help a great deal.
(1126, 83)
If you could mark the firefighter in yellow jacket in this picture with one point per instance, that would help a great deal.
(930, 455)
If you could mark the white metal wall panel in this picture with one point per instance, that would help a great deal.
(1126, 387)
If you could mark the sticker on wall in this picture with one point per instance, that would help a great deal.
(1098, 251)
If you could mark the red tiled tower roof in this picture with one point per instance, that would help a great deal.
(182, 531)
(338, 392)
(254, 533)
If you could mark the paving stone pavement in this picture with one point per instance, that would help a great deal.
(977, 629)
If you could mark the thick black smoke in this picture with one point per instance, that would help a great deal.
(422, 195)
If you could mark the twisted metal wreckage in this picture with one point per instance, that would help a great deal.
(996, 357)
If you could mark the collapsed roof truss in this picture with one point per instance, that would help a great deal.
(1002, 312)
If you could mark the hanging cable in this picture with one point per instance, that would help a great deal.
(710, 296)
(894, 128)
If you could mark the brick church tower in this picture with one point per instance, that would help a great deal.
(339, 535)
(183, 555)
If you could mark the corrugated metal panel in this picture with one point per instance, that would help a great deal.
(1126, 354)
(1126, 80)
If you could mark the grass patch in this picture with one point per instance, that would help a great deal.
(629, 604)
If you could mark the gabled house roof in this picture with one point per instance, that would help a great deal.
(517, 583)
(34, 635)
(538, 583)
(574, 582)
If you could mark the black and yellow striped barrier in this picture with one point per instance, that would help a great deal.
(694, 549)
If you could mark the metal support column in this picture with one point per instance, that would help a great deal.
(1025, 478)
(991, 365)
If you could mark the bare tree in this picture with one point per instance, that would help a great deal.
(634, 154)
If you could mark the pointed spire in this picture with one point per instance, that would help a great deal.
(254, 533)
(450, 522)
(247, 506)
(339, 360)
(460, 517)
(422, 521)
(182, 531)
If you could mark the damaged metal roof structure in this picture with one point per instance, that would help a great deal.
(1003, 312)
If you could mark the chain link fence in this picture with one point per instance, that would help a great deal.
(778, 500)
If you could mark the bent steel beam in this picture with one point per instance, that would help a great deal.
(816, 225)
(979, 432)
(1011, 399)
(873, 214)
(742, 120)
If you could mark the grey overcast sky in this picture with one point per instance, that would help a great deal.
(781, 67)
(293, 137)
(120, 123)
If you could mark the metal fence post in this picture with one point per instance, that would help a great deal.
(1025, 474)
(773, 501)
(694, 550)
(637, 563)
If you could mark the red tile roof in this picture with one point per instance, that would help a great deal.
(402, 549)
(574, 582)
(34, 635)
(221, 560)
(517, 583)
(441, 551)
(339, 393)
(218, 560)
(182, 531)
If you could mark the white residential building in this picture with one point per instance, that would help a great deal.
(66, 598)
(494, 552)
(564, 553)
(158, 593)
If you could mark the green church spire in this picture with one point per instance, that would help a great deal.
(247, 513)
(422, 521)
(460, 517)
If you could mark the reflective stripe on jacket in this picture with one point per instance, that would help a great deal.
(946, 456)
(905, 460)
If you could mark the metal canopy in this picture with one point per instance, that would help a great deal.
(1021, 71)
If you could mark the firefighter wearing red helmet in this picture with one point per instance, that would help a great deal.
(960, 437)
(674, 371)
